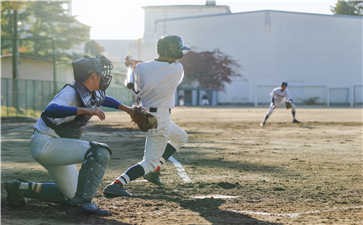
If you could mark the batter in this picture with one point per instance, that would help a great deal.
(156, 82)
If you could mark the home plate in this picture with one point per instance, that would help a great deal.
(214, 196)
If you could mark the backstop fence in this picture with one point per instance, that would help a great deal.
(24, 97)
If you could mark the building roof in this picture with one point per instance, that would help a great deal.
(186, 7)
(262, 11)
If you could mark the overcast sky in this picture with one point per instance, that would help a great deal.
(124, 19)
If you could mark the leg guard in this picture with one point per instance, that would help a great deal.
(91, 172)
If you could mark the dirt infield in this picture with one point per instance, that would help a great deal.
(309, 173)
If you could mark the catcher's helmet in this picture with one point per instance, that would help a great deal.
(83, 67)
(171, 47)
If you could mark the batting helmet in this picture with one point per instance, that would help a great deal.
(83, 67)
(171, 47)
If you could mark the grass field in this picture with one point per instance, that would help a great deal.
(309, 173)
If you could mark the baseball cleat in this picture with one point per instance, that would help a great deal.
(87, 208)
(262, 124)
(14, 196)
(295, 121)
(153, 177)
(115, 190)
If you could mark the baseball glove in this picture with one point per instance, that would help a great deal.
(143, 119)
(288, 105)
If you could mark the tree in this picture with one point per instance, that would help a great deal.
(43, 26)
(93, 48)
(212, 69)
(348, 7)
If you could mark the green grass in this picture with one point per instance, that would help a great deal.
(12, 112)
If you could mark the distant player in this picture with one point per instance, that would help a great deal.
(156, 82)
(57, 146)
(280, 97)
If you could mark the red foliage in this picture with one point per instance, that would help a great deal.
(212, 69)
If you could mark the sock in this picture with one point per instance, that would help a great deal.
(131, 174)
(168, 152)
(48, 192)
(293, 112)
(266, 117)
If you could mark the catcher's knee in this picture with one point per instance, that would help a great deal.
(149, 165)
(100, 151)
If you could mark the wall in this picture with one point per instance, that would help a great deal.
(271, 46)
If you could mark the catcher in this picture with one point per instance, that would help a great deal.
(155, 84)
(279, 97)
(57, 146)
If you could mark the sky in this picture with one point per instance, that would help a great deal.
(124, 19)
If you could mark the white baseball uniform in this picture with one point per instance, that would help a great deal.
(279, 97)
(60, 155)
(157, 82)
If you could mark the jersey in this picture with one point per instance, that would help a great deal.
(156, 83)
(280, 96)
(66, 97)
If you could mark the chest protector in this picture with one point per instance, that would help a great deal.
(73, 128)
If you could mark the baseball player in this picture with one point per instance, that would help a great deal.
(57, 146)
(280, 96)
(156, 82)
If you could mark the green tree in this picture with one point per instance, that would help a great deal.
(212, 69)
(348, 7)
(93, 48)
(42, 25)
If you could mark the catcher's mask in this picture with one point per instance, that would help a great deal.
(171, 48)
(100, 65)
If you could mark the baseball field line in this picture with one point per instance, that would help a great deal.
(297, 214)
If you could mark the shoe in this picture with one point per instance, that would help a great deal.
(14, 196)
(115, 190)
(262, 124)
(87, 208)
(295, 121)
(154, 177)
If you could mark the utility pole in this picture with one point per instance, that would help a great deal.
(54, 67)
(15, 57)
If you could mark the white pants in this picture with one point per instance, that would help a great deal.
(275, 105)
(157, 139)
(60, 156)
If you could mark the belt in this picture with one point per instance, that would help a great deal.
(154, 110)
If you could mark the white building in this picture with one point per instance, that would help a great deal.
(320, 56)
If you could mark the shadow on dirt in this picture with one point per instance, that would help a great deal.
(198, 159)
(49, 213)
(209, 209)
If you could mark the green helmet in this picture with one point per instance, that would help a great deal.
(171, 47)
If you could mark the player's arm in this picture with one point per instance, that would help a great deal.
(54, 110)
(61, 106)
(111, 102)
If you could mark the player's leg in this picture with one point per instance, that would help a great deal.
(156, 141)
(268, 114)
(55, 152)
(177, 137)
(293, 113)
(64, 187)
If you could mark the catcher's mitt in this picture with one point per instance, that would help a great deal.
(143, 119)
(288, 105)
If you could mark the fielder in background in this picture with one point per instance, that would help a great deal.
(57, 146)
(156, 82)
(281, 96)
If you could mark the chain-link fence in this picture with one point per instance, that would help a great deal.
(29, 97)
